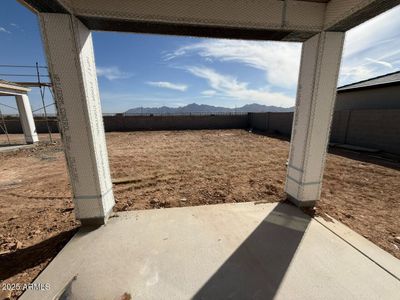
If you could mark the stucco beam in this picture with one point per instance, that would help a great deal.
(46, 6)
(262, 14)
(257, 19)
(11, 89)
(342, 15)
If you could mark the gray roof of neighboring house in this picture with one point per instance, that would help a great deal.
(387, 79)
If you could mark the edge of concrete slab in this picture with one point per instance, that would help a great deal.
(12, 148)
(374, 253)
(383, 260)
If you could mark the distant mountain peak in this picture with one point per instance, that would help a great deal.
(204, 108)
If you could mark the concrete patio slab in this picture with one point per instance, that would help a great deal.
(8, 148)
(228, 251)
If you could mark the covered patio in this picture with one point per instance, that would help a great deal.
(234, 251)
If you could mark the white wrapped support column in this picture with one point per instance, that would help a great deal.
(320, 63)
(70, 56)
(26, 118)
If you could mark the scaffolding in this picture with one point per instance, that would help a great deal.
(39, 83)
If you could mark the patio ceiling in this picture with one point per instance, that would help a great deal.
(258, 19)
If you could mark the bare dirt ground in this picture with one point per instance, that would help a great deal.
(180, 168)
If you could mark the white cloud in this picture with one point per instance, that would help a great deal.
(16, 26)
(279, 61)
(372, 49)
(2, 29)
(349, 74)
(112, 73)
(231, 87)
(168, 85)
(380, 62)
(209, 93)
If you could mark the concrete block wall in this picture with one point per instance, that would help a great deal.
(41, 125)
(120, 122)
(272, 122)
(114, 123)
(259, 121)
(14, 125)
(186, 122)
(368, 128)
(378, 129)
(137, 122)
(280, 123)
(340, 124)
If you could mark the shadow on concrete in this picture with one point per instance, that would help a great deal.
(22, 259)
(256, 269)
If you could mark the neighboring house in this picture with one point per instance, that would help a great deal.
(382, 92)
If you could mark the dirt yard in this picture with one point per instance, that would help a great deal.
(181, 168)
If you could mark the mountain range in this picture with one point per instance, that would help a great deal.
(203, 108)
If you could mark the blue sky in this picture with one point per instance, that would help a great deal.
(150, 70)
